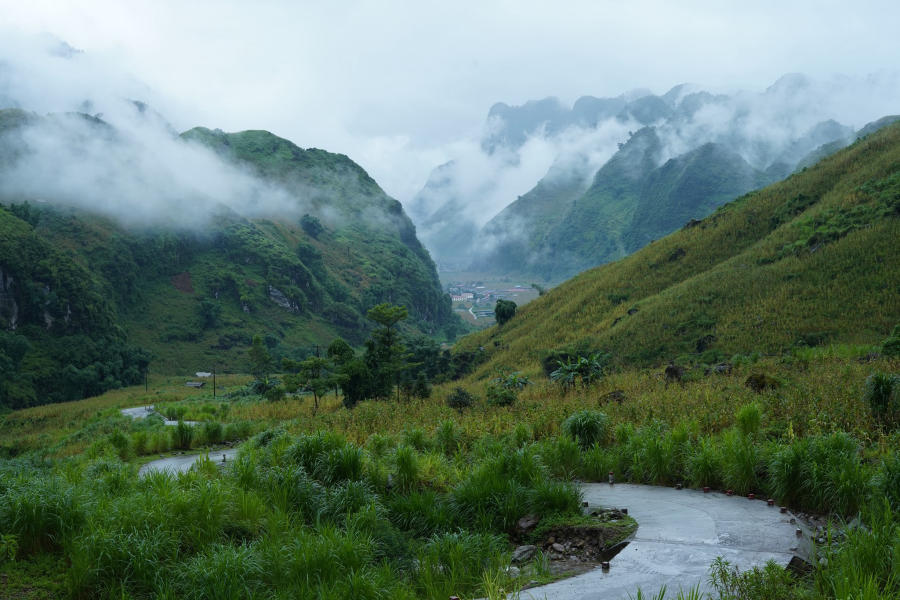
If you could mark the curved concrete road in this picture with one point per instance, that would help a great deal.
(139, 412)
(680, 533)
(180, 464)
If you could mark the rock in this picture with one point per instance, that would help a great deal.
(722, 369)
(691, 224)
(523, 553)
(557, 547)
(799, 567)
(527, 523)
(673, 373)
(759, 382)
(513, 571)
(617, 396)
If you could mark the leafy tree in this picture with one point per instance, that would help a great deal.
(339, 351)
(260, 359)
(504, 311)
(386, 356)
(356, 383)
(313, 374)
(209, 313)
(311, 225)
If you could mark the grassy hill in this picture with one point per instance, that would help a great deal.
(192, 296)
(811, 259)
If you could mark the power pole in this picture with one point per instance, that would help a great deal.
(146, 372)
(214, 383)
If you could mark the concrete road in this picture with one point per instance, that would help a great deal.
(680, 533)
(179, 464)
(139, 412)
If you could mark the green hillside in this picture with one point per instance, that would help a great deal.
(192, 297)
(809, 260)
(632, 200)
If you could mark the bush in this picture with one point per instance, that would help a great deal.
(182, 435)
(749, 418)
(881, 394)
(447, 437)
(891, 346)
(498, 395)
(460, 399)
(589, 427)
(213, 432)
(887, 481)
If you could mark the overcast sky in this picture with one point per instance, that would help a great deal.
(396, 84)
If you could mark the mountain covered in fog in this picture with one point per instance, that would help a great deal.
(127, 245)
(626, 170)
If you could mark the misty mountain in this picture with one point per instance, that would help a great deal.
(630, 202)
(693, 151)
(127, 247)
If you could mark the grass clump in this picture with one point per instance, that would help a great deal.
(589, 427)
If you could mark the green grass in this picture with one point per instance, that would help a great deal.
(731, 291)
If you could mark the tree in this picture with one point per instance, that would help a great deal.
(504, 311)
(311, 225)
(209, 312)
(260, 360)
(356, 382)
(339, 351)
(312, 374)
(386, 356)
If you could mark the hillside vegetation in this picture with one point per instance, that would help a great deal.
(809, 260)
(192, 295)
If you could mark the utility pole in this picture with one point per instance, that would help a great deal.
(146, 372)
(214, 382)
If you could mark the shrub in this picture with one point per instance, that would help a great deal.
(213, 432)
(416, 438)
(739, 458)
(887, 481)
(447, 437)
(705, 464)
(238, 431)
(891, 346)
(497, 395)
(460, 399)
(881, 394)
(453, 563)
(504, 311)
(407, 463)
(182, 435)
(589, 427)
(749, 418)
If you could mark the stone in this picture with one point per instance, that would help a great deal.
(527, 523)
(523, 553)
(513, 571)
(557, 547)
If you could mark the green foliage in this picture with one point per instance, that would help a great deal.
(891, 345)
(589, 427)
(182, 436)
(749, 419)
(583, 369)
(497, 395)
(504, 311)
(771, 582)
(311, 225)
(260, 359)
(730, 283)
(460, 399)
(882, 394)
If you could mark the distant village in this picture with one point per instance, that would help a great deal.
(476, 298)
